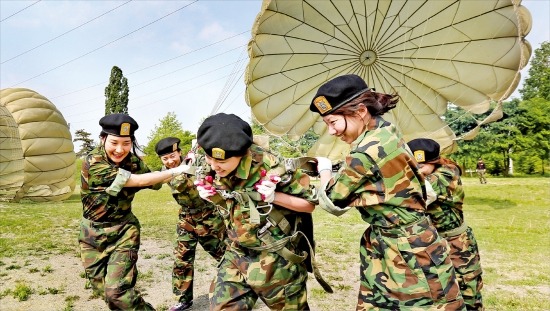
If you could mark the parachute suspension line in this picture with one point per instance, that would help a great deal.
(234, 77)
(466, 113)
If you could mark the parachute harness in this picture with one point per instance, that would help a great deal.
(274, 217)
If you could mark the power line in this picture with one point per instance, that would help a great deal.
(161, 76)
(109, 43)
(23, 9)
(159, 63)
(89, 21)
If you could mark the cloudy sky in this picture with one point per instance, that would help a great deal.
(185, 57)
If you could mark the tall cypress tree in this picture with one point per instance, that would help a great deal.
(116, 93)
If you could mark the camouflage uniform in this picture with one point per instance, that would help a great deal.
(199, 222)
(405, 265)
(109, 232)
(446, 215)
(246, 272)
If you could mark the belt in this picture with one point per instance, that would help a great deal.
(405, 230)
(106, 224)
(454, 232)
(187, 211)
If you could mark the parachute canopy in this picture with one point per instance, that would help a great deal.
(37, 159)
(431, 53)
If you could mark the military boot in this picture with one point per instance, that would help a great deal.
(182, 305)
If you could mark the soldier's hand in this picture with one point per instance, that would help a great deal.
(323, 164)
(267, 189)
(205, 190)
(182, 169)
(431, 196)
(190, 157)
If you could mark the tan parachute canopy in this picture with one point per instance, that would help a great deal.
(432, 53)
(37, 159)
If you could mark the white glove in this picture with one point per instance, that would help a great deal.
(267, 189)
(190, 157)
(323, 164)
(431, 196)
(205, 191)
(182, 169)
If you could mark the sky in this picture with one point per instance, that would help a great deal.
(185, 57)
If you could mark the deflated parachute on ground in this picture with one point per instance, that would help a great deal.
(37, 159)
(468, 53)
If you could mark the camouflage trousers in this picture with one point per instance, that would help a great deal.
(109, 254)
(206, 228)
(481, 175)
(467, 264)
(245, 275)
(407, 268)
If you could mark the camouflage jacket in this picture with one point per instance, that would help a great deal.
(97, 174)
(249, 171)
(446, 211)
(380, 178)
(185, 192)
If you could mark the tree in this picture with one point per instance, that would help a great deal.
(285, 145)
(116, 93)
(87, 145)
(494, 143)
(168, 126)
(538, 82)
(534, 142)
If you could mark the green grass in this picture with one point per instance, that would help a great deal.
(22, 291)
(510, 218)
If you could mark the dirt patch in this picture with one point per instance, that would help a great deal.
(57, 282)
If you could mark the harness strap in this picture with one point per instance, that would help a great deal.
(454, 232)
(276, 218)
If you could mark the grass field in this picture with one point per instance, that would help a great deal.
(39, 260)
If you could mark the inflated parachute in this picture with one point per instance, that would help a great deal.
(431, 53)
(37, 159)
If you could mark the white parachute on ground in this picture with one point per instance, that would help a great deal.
(431, 53)
(37, 159)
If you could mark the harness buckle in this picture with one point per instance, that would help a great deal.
(263, 230)
(264, 206)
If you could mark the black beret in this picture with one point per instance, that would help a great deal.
(167, 145)
(425, 150)
(223, 136)
(118, 124)
(336, 92)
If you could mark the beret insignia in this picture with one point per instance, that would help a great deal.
(125, 129)
(322, 104)
(420, 156)
(218, 153)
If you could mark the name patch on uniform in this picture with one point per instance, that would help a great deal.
(322, 104)
(218, 153)
(420, 156)
(125, 129)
